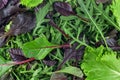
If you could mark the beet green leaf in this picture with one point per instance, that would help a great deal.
(100, 64)
(38, 48)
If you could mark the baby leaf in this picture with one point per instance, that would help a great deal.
(31, 3)
(63, 8)
(115, 9)
(17, 55)
(101, 64)
(58, 76)
(71, 70)
(37, 48)
(3, 69)
(3, 3)
(22, 23)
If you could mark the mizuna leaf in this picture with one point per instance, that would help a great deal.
(3, 69)
(100, 64)
(31, 3)
(71, 70)
(92, 20)
(37, 48)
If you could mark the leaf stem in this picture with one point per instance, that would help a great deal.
(55, 26)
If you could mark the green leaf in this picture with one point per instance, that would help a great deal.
(116, 11)
(100, 64)
(81, 3)
(40, 17)
(71, 70)
(38, 48)
(3, 68)
(30, 3)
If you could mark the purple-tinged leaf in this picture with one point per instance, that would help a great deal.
(63, 8)
(72, 53)
(3, 3)
(17, 55)
(22, 23)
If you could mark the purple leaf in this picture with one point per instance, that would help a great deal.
(72, 53)
(22, 23)
(17, 55)
(3, 3)
(63, 8)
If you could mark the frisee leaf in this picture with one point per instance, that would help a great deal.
(30, 3)
(116, 11)
(37, 48)
(100, 64)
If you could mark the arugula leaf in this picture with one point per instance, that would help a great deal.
(71, 70)
(116, 11)
(100, 64)
(31, 3)
(3, 68)
(37, 48)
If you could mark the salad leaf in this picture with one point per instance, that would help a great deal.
(71, 70)
(37, 48)
(115, 9)
(31, 3)
(101, 64)
(3, 68)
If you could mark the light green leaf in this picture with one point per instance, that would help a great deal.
(30, 3)
(115, 7)
(100, 64)
(3, 68)
(71, 70)
(38, 48)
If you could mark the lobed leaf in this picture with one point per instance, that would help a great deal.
(100, 64)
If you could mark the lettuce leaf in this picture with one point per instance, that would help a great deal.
(101, 64)
(31, 3)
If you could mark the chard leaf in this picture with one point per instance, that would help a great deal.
(37, 48)
(100, 64)
(116, 11)
(3, 68)
(71, 70)
(31, 3)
